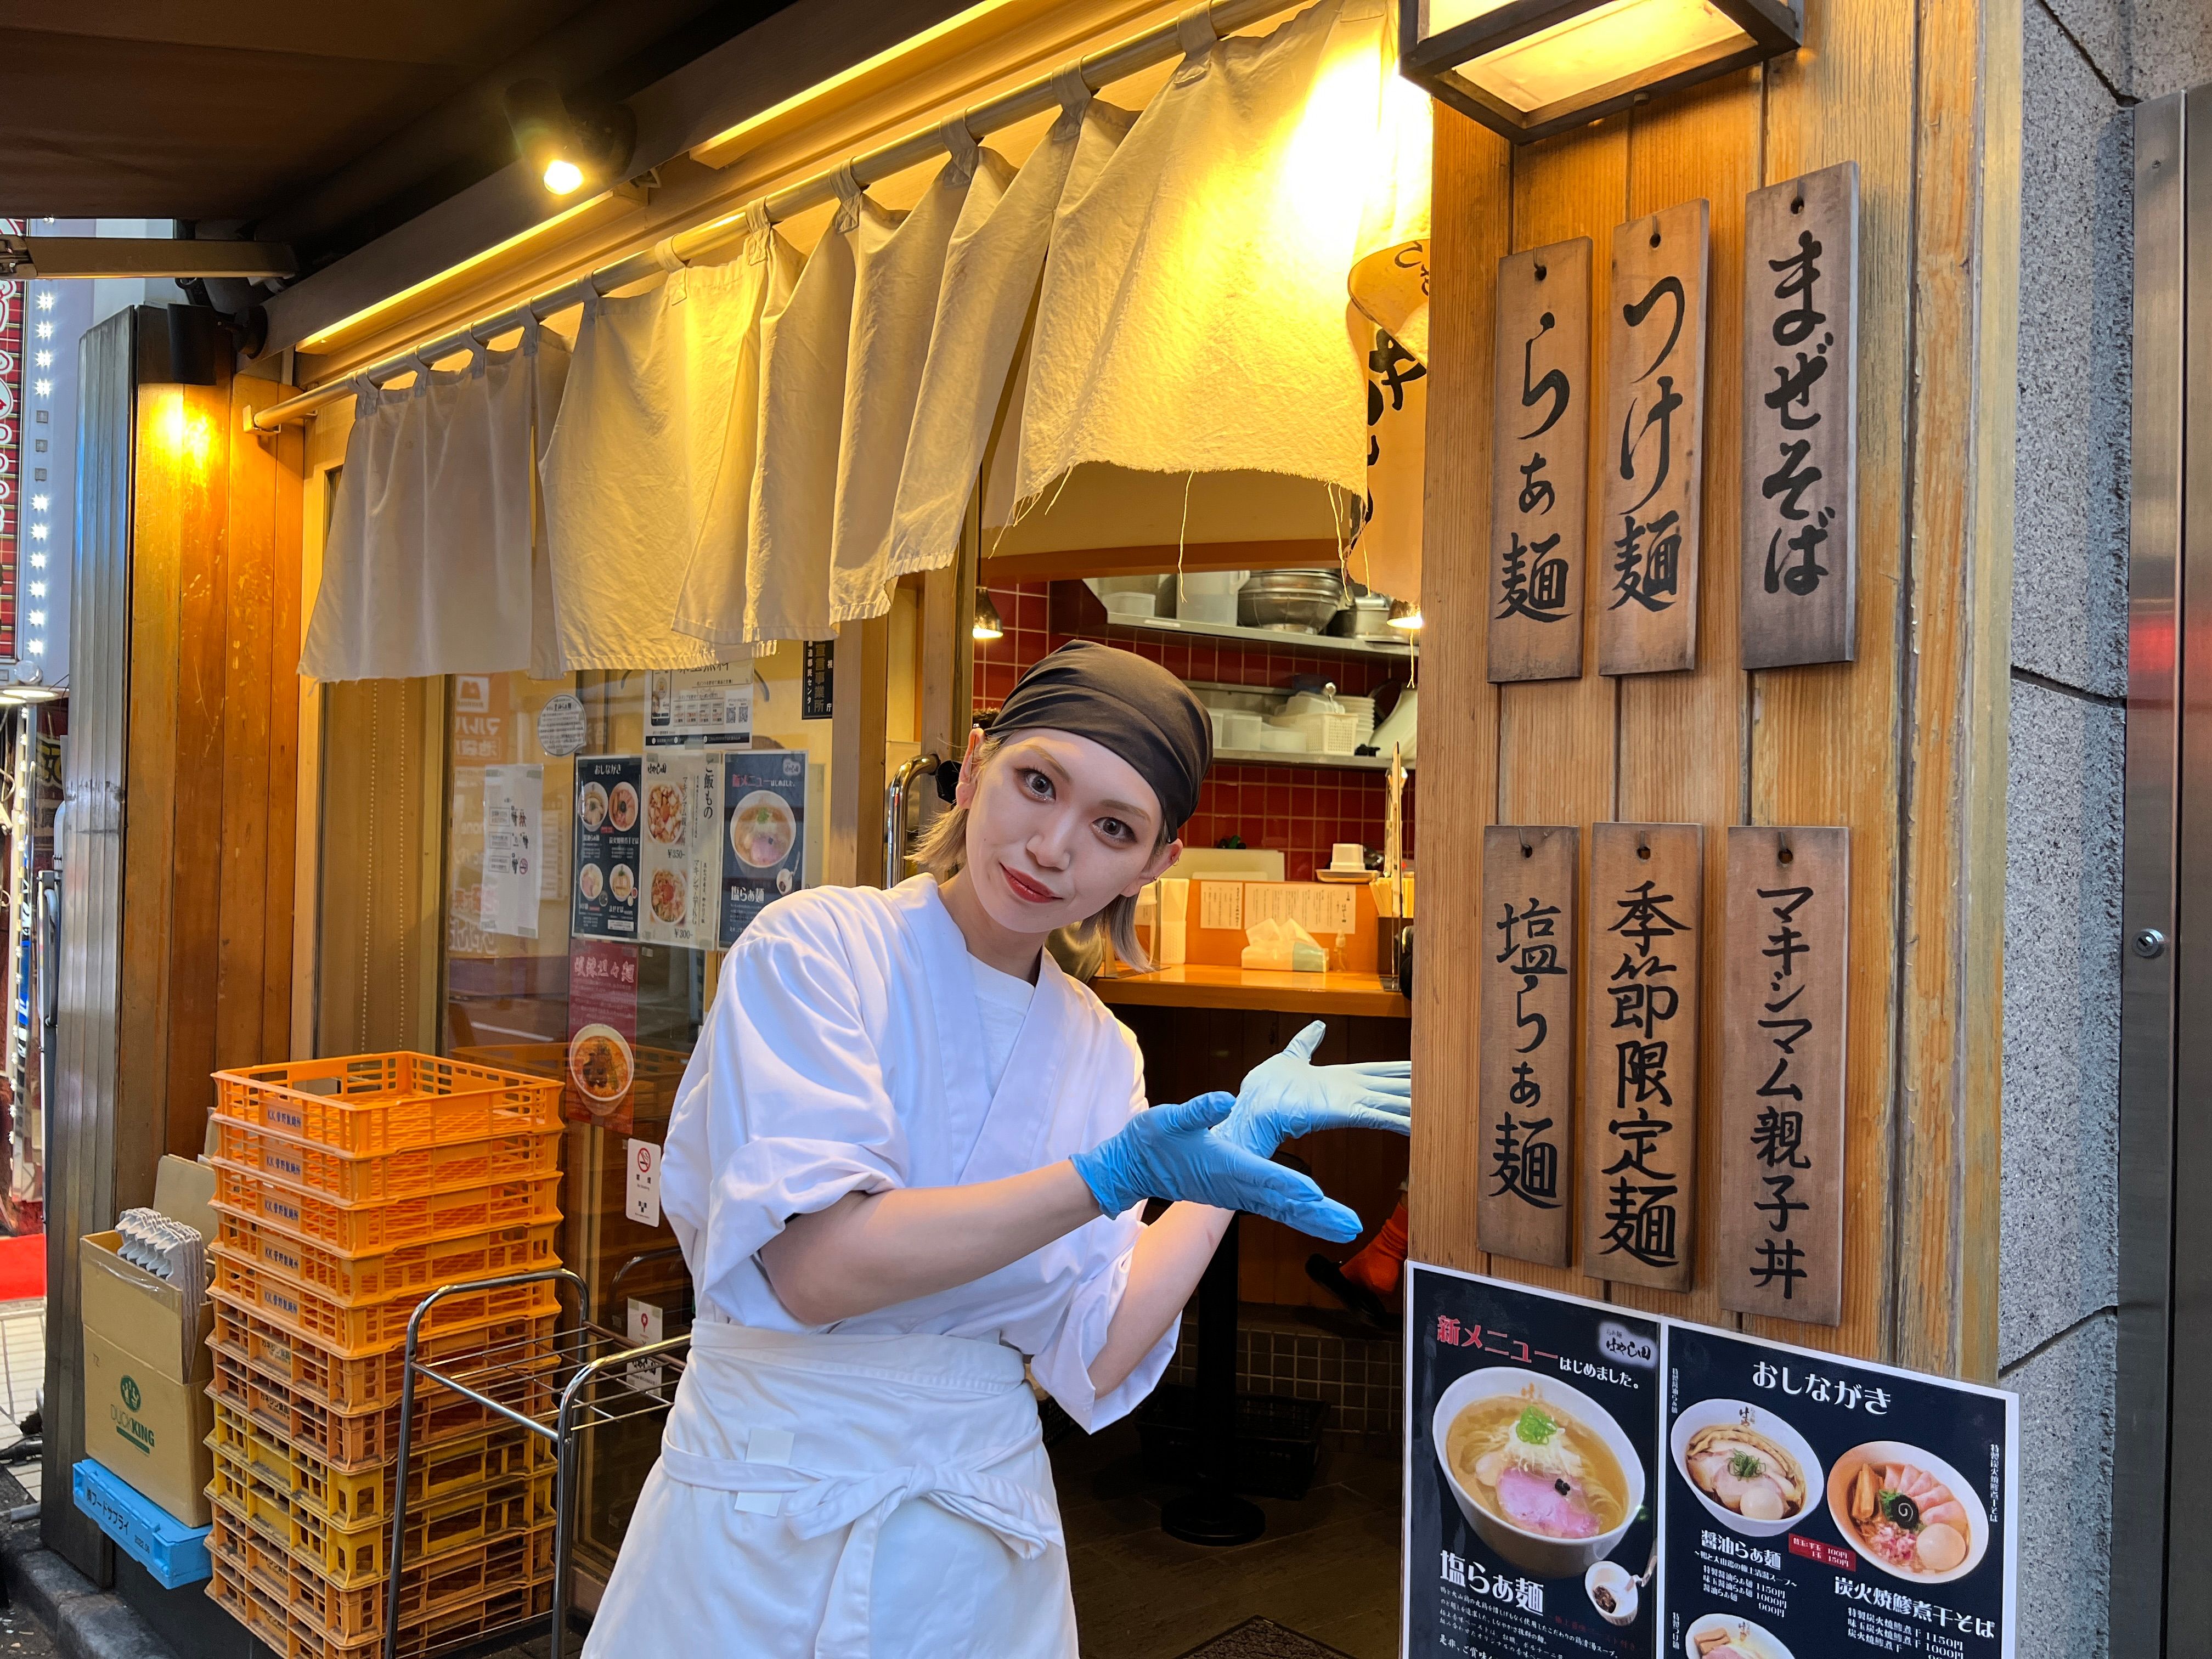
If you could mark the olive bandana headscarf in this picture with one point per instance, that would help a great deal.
(1124, 702)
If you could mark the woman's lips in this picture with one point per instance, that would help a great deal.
(1022, 888)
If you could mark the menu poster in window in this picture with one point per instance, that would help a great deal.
(608, 830)
(700, 706)
(1532, 1428)
(602, 1029)
(764, 848)
(679, 877)
(513, 849)
(1818, 1507)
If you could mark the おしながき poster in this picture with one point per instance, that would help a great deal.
(1532, 1454)
(764, 842)
(1818, 1507)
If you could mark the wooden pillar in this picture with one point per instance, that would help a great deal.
(1906, 746)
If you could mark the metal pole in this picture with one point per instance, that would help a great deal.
(1101, 69)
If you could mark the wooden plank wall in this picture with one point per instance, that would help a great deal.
(1907, 746)
(212, 751)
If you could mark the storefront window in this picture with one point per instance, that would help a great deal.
(561, 965)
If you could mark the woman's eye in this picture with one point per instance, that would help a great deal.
(1037, 784)
(1114, 830)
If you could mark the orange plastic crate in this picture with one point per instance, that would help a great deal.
(348, 1330)
(366, 1382)
(290, 1635)
(417, 1268)
(392, 1103)
(380, 1177)
(359, 1441)
(364, 1230)
(450, 1583)
(351, 1557)
(354, 1498)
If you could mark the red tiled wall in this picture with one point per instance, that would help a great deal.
(1301, 809)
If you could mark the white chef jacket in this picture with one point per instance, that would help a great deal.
(845, 1052)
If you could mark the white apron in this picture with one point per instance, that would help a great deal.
(824, 1497)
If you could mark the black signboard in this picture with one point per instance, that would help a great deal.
(1819, 1507)
(1776, 1503)
(764, 850)
(1532, 1426)
(815, 688)
(604, 900)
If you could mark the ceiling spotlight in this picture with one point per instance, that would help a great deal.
(987, 624)
(566, 145)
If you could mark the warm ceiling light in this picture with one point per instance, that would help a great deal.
(987, 624)
(565, 144)
(1529, 71)
(1405, 615)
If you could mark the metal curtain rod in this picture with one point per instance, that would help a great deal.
(1142, 51)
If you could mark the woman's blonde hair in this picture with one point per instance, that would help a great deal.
(944, 848)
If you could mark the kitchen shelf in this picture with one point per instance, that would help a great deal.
(1266, 638)
(1077, 609)
(1306, 757)
(1199, 986)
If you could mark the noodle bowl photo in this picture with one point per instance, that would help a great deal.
(1541, 1471)
(1908, 1512)
(1756, 1473)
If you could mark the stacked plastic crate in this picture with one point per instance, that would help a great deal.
(347, 1190)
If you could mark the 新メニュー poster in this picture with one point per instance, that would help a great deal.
(765, 847)
(604, 903)
(1532, 1428)
(1583, 1480)
(1818, 1507)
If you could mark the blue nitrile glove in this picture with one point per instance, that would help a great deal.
(1172, 1152)
(1289, 1096)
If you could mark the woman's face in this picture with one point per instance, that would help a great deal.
(1058, 827)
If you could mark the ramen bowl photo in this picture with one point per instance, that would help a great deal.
(1756, 1473)
(590, 882)
(762, 829)
(621, 807)
(1542, 1472)
(592, 806)
(601, 1065)
(1723, 1636)
(622, 882)
(1908, 1512)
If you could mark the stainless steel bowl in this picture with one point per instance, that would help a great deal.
(1368, 617)
(1292, 601)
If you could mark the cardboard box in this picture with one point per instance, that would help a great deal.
(146, 1414)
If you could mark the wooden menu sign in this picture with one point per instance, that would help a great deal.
(1639, 1136)
(1652, 444)
(1540, 467)
(1799, 565)
(1526, 957)
(1780, 1207)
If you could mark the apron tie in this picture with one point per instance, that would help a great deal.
(816, 1505)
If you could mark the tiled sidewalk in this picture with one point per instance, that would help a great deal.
(22, 1375)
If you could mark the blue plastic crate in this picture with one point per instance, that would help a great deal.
(174, 1553)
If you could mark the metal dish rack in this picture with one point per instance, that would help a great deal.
(560, 1388)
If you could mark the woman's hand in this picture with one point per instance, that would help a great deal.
(1172, 1152)
(1288, 1096)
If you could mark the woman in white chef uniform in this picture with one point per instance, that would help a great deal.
(909, 1154)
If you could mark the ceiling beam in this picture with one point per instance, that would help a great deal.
(47, 258)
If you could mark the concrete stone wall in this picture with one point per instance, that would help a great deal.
(2087, 64)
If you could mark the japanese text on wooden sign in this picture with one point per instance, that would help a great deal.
(1527, 956)
(1780, 1203)
(1640, 1073)
(1800, 556)
(1540, 479)
(1653, 438)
